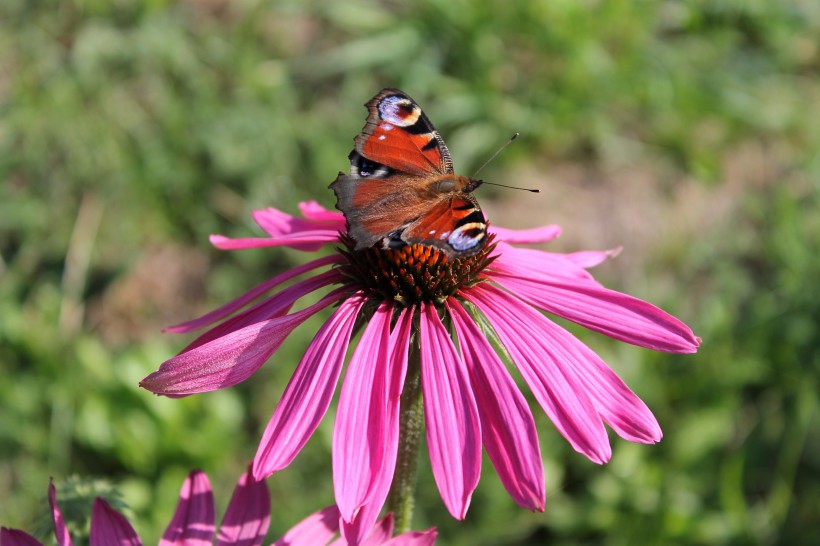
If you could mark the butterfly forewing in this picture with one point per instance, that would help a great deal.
(399, 135)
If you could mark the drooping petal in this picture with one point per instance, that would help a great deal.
(507, 426)
(379, 533)
(248, 515)
(312, 210)
(16, 537)
(193, 521)
(353, 531)
(615, 314)
(274, 306)
(360, 431)
(414, 538)
(243, 300)
(109, 527)
(230, 359)
(315, 530)
(617, 405)
(60, 528)
(308, 393)
(541, 361)
(525, 236)
(451, 416)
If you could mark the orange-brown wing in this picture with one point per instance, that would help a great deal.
(376, 207)
(399, 135)
(455, 224)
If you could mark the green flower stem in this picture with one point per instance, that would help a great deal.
(411, 423)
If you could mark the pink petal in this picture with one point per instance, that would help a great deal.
(453, 427)
(247, 297)
(590, 258)
(109, 527)
(193, 521)
(414, 538)
(60, 529)
(541, 361)
(525, 236)
(354, 530)
(379, 533)
(361, 428)
(309, 241)
(248, 515)
(316, 212)
(612, 313)
(531, 263)
(16, 537)
(507, 426)
(617, 405)
(231, 359)
(308, 393)
(275, 306)
(278, 224)
(315, 530)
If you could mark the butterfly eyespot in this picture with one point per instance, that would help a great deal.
(399, 111)
(468, 236)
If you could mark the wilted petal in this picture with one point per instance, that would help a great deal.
(525, 236)
(507, 427)
(109, 527)
(354, 530)
(361, 430)
(248, 515)
(60, 529)
(16, 537)
(453, 428)
(541, 361)
(315, 530)
(308, 393)
(193, 521)
(230, 359)
(249, 296)
(612, 313)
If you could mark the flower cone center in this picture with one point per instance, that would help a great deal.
(414, 273)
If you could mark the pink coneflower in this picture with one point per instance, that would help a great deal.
(245, 523)
(429, 317)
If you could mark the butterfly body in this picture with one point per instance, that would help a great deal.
(402, 188)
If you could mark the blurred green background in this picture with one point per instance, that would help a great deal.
(686, 131)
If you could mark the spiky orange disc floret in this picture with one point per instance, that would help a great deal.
(413, 274)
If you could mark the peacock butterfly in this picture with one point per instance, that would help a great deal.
(402, 190)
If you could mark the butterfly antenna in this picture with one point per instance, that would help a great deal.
(533, 190)
(510, 141)
(498, 151)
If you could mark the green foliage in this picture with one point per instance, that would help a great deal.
(129, 131)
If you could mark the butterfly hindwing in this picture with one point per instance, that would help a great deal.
(455, 223)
